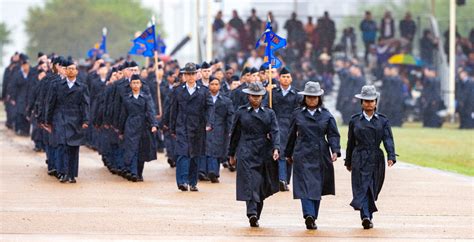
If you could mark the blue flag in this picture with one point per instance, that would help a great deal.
(274, 42)
(99, 48)
(145, 44)
(161, 46)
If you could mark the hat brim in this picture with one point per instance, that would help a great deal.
(250, 92)
(371, 97)
(312, 94)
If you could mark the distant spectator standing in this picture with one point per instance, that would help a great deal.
(255, 25)
(218, 22)
(327, 30)
(369, 33)
(428, 44)
(387, 26)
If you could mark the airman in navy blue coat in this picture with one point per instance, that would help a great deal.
(67, 119)
(465, 100)
(285, 99)
(191, 115)
(255, 144)
(217, 140)
(20, 85)
(364, 158)
(137, 125)
(313, 145)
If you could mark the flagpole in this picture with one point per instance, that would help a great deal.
(158, 92)
(270, 84)
(270, 103)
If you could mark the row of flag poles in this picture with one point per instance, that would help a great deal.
(148, 44)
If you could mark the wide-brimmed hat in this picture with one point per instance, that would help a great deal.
(368, 92)
(190, 68)
(255, 88)
(312, 89)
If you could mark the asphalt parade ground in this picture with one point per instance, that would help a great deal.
(415, 204)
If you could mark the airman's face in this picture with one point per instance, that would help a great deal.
(255, 100)
(136, 85)
(369, 105)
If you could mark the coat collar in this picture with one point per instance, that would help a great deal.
(362, 115)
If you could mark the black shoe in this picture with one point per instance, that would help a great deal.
(36, 149)
(128, 176)
(253, 220)
(310, 224)
(71, 180)
(171, 162)
(63, 179)
(231, 168)
(203, 177)
(183, 187)
(213, 178)
(367, 224)
(52, 172)
(283, 186)
(58, 176)
(134, 178)
(225, 164)
(140, 179)
(193, 189)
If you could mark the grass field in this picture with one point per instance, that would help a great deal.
(448, 148)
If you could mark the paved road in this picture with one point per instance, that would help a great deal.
(415, 204)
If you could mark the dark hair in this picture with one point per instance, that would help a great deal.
(320, 101)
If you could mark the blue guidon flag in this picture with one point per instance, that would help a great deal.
(274, 42)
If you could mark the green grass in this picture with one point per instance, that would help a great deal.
(448, 148)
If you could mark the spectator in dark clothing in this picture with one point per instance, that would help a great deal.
(327, 33)
(348, 43)
(296, 32)
(428, 45)
(237, 23)
(407, 27)
(255, 25)
(274, 23)
(218, 22)
(369, 33)
(387, 26)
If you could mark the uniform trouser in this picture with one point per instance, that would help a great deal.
(284, 171)
(169, 145)
(310, 207)
(186, 170)
(213, 165)
(254, 208)
(203, 165)
(10, 110)
(50, 157)
(70, 159)
(22, 125)
(58, 159)
(366, 202)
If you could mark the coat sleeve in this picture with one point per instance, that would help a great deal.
(235, 134)
(85, 108)
(174, 109)
(334, 137)
(123, 119)
(150, 113)
(350, 144)
(209, 111)
(51, 103)
(275, 132)
(388, 141)
(290, 145)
